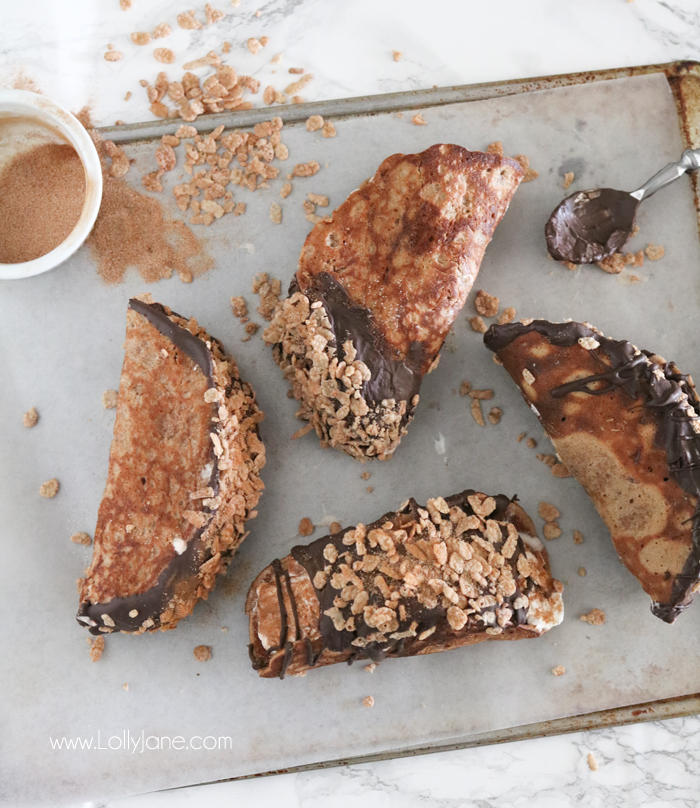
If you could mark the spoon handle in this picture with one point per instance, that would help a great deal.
(690, 161)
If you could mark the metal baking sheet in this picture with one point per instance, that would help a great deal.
(61, 348)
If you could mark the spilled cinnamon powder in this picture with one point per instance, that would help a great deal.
(132, 230)
(42, 193)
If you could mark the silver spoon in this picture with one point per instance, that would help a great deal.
(591, 225)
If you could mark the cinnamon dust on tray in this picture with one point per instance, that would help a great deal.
(132, 230)
(42, 193)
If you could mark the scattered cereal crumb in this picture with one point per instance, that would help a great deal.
(560, 470)
(495, 415)
(113, 56)
(295, 86)
(578, 537)
(303, 431)
(187, 21)
(125, 685)
(319, 200)
(368, 702)
(582, 572)
(213, 15)
(109, 399)
(81, 538)
(162, 30)
(419, 120)
(495, 148)
(486, 304)
(483, 395)
(548, 512)
(568, 179)
(592, 762)
(551, 531)
(613, 264)
(370, 489)
(164, 55)
(120, 162)
(253, 45)
(49, 489)
(285, 190)
(397, 55)
(251, 328)
(653, 252)
(464, 388)
(97, 647)
(507, 316)
(125, 5)
(306, 527)
(595, 617)
(141, 38)
(477, 323)
(306, 169)
(477, 414)
(30, 418)
(531, 443)
(226, 47)
(314, 123)
(296, 70)
(568, 264)
(239, 306)
(560, 670)
(335, 527)
(202, 653)
(365, 475)
(523, 159)
(328, 129)
(530, 175)
(371, 668)
(276, 213)
(547, 459)
(520, 437)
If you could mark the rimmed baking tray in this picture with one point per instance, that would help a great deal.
(61, 347)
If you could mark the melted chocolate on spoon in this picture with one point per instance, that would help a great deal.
(591, 225)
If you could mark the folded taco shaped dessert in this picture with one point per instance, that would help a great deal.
(378, 288)
(417, 581)
(184, 475)
(625, 422)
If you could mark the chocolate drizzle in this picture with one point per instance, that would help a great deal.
(392, 376)
(664, 391)
(311, 557)
(154, 601)
(590, 225)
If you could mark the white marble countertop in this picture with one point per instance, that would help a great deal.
(58, 47)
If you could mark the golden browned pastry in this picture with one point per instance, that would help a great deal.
(378, 288)
(625, 423)
(421, 580)
(184, 475)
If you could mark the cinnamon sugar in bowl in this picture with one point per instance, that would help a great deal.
(50, 184)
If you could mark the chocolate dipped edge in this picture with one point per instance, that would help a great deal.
(664, 395)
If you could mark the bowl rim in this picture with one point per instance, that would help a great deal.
(46, 111)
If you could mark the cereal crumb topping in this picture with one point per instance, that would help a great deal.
(531, 443)
(368, 702)
(419, 120)
(202, 653)
(314, 123)
(477, 414)
(507, 316)
(592, 762)
(551, 531)
(527, 375)
(568, 179)
(560, 670)
(654, 252)
(397, 55)
(578, 537)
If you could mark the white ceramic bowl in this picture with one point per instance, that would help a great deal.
(25, 105)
